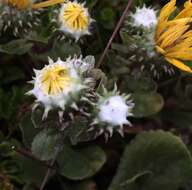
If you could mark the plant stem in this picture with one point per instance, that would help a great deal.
(31, 156)
(46, 178)
(114, 33)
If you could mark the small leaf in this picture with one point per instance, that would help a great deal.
(78, 131)
(28, 130)
(45, 144)
(78, 164)
(31, 171)
(147, 104)
(17, 47)
(61, 50)
(139, 85)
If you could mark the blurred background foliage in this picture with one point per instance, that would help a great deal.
(159, 155)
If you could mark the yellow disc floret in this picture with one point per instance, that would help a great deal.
(75, 16)
(20, 4)
(74, 19)
(55, 79)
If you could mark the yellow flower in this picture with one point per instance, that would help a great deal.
(20, 4)
(173, 36)
(75, 19)
(55, 79)
(56, 85)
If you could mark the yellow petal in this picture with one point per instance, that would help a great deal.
(163, 17)
(174, 35)
(179, 64)
(186, 12)
(160, 50)
(172, 23)
(181, 46)
(167, 10)
(188, 4)
(185, 55)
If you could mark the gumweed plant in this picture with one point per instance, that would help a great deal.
(72, 110)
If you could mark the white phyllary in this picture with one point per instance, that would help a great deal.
(66, 21)
(84, 65)
(145, 17)
(58, 96)
(114, 111)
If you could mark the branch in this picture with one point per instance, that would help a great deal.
(32, 157)
(115, 32)
(46, 178)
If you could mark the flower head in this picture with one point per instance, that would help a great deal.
(74, 19)
(58, 85)
(112, 111)
(145, 17)
(174, 37)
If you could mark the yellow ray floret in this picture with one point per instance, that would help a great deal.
(174, 36)
(55, 80)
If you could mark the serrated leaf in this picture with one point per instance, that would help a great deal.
(154, 161)
(78, 164)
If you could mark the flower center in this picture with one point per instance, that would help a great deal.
(55, 79)
(20, 4)
(75, 16)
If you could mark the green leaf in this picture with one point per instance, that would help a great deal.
(28, 130)
(32, 171)
(45, 143)
(61, 50)
(147, 104)
(78, 164)
(139, 85)
(11, 73)
(17, 47)
(154, 161)
(78, 131)
(10, 102)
